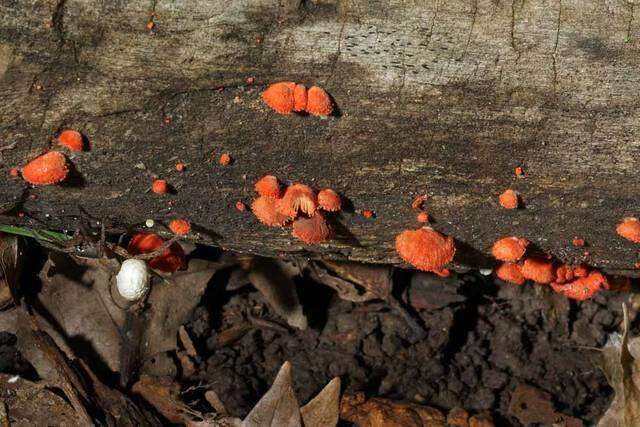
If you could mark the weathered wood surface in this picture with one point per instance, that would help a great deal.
(442, 97)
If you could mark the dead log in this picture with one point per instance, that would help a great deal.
(438, 97)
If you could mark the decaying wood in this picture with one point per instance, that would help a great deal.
(438, 97)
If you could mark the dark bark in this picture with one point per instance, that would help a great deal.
(437, 97)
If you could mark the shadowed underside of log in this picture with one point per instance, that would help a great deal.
(443, 98)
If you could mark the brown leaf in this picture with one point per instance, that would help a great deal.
(10, 267)
(620, 362)
(279, 406)
(533, 406)
(163, 394)
(376, 279)
(378, 412)
(324, 409)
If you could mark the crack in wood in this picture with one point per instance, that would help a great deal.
(555, 48)
(514, 46)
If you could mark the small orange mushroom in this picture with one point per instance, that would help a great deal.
(297, 197)
(418, 201)
(180, 227)
(241, 206)
(171, 260)
(425, 249)
(268, 186)
(329, 200)
(629, 228)
(280, 97)
(510, 272)
(582, 288)
(159, 186)
(538, 269)
(564, 274)
(225, 159)
(311, 230)
(580, 271)
(49, 168)
(14, 172)
(368, 213)
(577, 242)
(180, 167)
(519, 172)
(318, 102)
(264, 208)
(509, 199)
(509, 249)
(423, 217)
(71, 139)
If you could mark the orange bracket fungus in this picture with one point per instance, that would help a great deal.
(584, 287)
(285, 97)
(268, 186)
(426, 249)
(538, 269)
(509, 249)
(297, 197)
(71, 139)
(629, 228)
(159, 186)
(171, 260)
(510, 272)
(509, 199)
(311, 230)
(180, 227)
(264, 208)
(49, 168)
(329, 200)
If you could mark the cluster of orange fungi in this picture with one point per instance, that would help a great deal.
(285, 97)
(298, 205)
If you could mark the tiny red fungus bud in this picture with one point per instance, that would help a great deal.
(629, 228)
(71, 139)
(425, 249)
(519, 172)
(180, 167)
(539, 270)
(418, 202)
(49, 168)
(180, 227)
(150, 25)
(509, 249)
(329, 200)
(225, 159)
(509, 199)
(423, 217)
(264, 208)
(159, 186)
(578, 243)
(311, 230)
(171, 260)
(297, 197)
(318, 102)
(510, 272)
(367, 213)
(14, 172)
(241, 206)
(268, 186)
(279, 96)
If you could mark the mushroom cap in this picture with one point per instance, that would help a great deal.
(71, 139)
(510, 272)
(582, 288)
(312, 230)
(268, 186)
(629, 228)
(170, 261)
(425, 249)
(132, 280)
(509, 249)
(564, 274)
(180, 227)
(318, 102)
(279, 96)
(423, 217)
(580, 271)
(225, 159)
(299, 98)
(264, 208)
(159, 186)
(49, 168)
(539, 270)
(329, 200)
(509, 199)
(297, 197)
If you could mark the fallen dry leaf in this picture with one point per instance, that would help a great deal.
(376, 279)
(619, 359)
(324, 409)
(11, 260)
(531, 405)
(163, 394)
(379, 412)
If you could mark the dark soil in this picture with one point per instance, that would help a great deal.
(483, 339)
